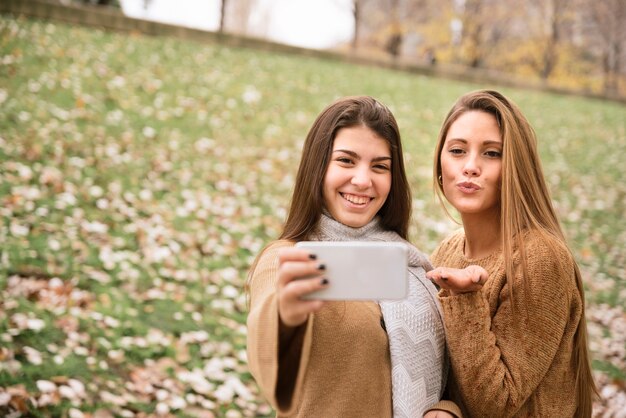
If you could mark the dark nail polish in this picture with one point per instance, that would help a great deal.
(321, 267)
(312, 256)
(324, 280)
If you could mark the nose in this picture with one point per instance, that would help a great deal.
(361, 179)
(471, 167)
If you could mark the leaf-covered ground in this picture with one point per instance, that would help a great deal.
(140, 176)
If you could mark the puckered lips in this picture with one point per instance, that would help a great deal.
(357, 200)
(468, 187)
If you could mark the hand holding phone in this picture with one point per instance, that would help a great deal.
(298, 275)
(360, 270)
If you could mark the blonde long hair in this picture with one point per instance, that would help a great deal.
(525, 204)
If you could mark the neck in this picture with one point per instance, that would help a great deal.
(482, 234)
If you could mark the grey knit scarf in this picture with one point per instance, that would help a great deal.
(414, 325)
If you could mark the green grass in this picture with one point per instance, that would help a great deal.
(146, 173)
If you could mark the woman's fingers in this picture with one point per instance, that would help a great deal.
(293, 270)
(440, 273)
(294, 254)
(295, 263)
(469, 279)
(292, 308)
(299, 274)
(478, 274)
(301, 287)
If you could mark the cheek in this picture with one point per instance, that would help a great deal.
(386, 186)
(444, 161)
(326, 192)
(497, 176)
(326, 187)
(447, 176)
(329, 179)
(447, 187)
(446, 168)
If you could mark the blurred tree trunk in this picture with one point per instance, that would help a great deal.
(608, 18)
(237, 16)
(556, 15)
(112, 3)
(394, 40)
(356, 13)
(472, 32)
(370, 19)
(555, 20)
(222, 15)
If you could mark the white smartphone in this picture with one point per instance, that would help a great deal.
(361, 270)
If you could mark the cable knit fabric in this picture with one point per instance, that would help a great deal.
(341, 361)
(512, 356)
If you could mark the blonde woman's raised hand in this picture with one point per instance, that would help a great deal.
(299, 273)
(470, 279)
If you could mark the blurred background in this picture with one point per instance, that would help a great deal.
(148, 151)
(578, 44)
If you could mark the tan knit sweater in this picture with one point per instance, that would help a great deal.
(345, 371)
(512, 357)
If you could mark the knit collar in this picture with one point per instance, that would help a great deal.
(329, 229)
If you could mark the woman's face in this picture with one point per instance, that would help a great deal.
(358, 177)
(471, 164)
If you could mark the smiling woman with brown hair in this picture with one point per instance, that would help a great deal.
(314, 358)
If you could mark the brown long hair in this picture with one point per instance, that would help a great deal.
(525, 204)
(307, 201)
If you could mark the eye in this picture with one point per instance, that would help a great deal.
(344, 160)
(456, 151)
(381, 167)
(493, 154)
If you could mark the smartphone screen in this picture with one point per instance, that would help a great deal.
(361, 270)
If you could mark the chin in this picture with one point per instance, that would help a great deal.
(354, 222)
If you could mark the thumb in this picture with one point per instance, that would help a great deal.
(479, 275)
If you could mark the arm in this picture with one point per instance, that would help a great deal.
(277, 349)
(499, 358)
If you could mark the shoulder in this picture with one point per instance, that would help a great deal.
(274, 247)
(547, 259)
(269, 255)
(542, 245)
(449, 246)
(416, 257)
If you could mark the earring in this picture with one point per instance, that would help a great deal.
(440, 180)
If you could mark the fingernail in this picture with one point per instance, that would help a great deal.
(312, 256)
(324, 281)
(321, 266)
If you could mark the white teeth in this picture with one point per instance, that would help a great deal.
(358, 200)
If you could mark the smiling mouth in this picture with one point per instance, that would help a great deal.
(356, 200)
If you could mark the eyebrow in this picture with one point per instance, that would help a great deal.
(485, 142)
(355, 155)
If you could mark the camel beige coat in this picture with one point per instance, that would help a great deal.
(352, 373)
